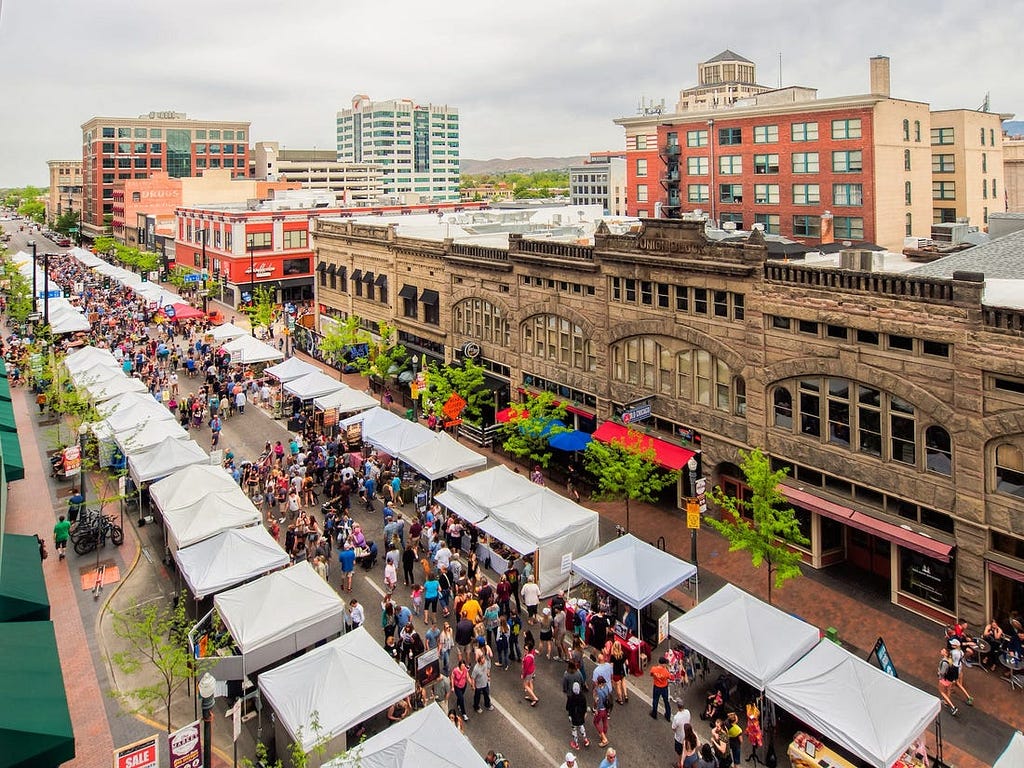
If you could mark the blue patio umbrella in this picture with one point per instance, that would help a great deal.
(570, 441)
(552, 424)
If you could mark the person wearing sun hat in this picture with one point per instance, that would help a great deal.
(570, 761)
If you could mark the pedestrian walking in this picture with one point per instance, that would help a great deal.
(660, 676)
(945, 681)
(460, 681)
(61, 533)
(956, 663)
(602, 695)
(611, 759)
(480, 676)
(576, 705)
(529, 671)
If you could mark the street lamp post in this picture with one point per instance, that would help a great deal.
(82, 432)
(252, 287)
(32, 245)
(414, 387)
(207, 690)
(46, 289)
(691, 465)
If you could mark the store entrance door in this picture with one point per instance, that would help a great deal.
(871, 555)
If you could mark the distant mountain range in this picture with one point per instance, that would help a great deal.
(519, 164)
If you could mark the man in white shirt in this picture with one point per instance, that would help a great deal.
(531, 598)
(679, 722)
(443, 557)
(355, 614)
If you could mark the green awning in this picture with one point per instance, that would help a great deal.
(3, 368)
(5, 390)
(7, 421)
(14, 465)
(22, 587)
(35, 725)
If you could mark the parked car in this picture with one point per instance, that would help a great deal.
(63, 241)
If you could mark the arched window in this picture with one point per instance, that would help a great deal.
(1010, 470)
(558, 340)
(906, 130)
(917, 130)
(479, 319)
(908, 228)
(783, 404)
(906, 159)
(740, 388)
(938, 451)
(689, 374)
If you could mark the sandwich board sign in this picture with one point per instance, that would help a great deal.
(144, 753)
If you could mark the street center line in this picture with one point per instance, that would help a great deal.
(525, 733)
(376, 587)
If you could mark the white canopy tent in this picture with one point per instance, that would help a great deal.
(632, 570)
(114, 387)
(425, 739)
(210, 515)
(373, 419)
(310, 684)
(87, 357)
(190, 484)
(229, 558)
(65, 318)
(440, 456)
(345, 400)
(753, 640)
(862, 709)
(292, 368)
(247, 350)
(316, 384)
(1013, 755)
(227, 332)
(144, 436)
(86, 258)
(137, 414)
(163, 459)
(276, 616)
(401, 436)
(96, 375)
(527, 517)
(122, 402)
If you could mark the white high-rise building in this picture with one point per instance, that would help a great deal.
(416, 146)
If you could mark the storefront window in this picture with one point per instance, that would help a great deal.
(928, 579)
(296, 266)
(831, 534)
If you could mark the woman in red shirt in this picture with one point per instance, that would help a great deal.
(460, 679)
(528, 673)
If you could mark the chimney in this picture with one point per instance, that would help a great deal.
(880, 76)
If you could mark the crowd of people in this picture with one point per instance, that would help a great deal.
(311, 490)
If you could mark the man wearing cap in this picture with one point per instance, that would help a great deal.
(570, 761)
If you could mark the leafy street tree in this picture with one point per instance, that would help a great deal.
(774, 525)
(13, 198)
(625, 470)
(386, 357)
(65, 222)
(33, 209)
(463, 377)
(154, 638)
(104, 244)
(527, 432)
(18, 289)
(340, 337)
(263, 308)
(176, 277)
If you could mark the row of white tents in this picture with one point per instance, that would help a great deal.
(64, 317)
(859, 707)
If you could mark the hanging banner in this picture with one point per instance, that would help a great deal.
(72, 459)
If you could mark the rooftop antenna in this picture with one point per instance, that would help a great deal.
(986, 104)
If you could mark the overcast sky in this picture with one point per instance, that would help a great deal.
(529, 77)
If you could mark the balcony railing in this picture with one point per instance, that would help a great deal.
(933, 289)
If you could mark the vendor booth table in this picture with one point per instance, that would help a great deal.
(637, 574)
(320, 684)
(527, 517)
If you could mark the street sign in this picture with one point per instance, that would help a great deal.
(636, 414)
(235, 713)
(140, 754)
(192, 277)
(169, 311)
(185, 748)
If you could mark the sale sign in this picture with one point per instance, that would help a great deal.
(140, 754)
(185, 747)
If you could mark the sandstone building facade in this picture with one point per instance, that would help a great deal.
(896, 402)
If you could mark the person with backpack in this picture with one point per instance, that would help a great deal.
(496, 760)
(945, 683)
(956, 662)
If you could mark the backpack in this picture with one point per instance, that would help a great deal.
(500, 761)
(943, 669)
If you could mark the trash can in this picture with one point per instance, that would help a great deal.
(410, 414)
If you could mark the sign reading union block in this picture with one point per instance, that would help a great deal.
(140, 754)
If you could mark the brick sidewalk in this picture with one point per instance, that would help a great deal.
(30, 510)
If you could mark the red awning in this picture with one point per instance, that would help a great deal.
(668, 455)
(512, 412)
(1003, 570)
(905, 537)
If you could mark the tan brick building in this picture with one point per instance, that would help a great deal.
(896, 400)
(65, 192)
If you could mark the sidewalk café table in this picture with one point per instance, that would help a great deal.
(1015, 664)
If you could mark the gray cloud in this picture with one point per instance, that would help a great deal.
(529, 77)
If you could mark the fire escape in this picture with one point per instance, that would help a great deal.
(669, 153)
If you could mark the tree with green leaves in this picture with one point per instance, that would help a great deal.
(463, 377)
(154, 638)
(176, 277)
(263, 308)
(529, 427)
(33, 209)
(13, 198)
(386, 357)
(772, 527)
(625, 470)
(340, 336)
(104, 244)
(18, 289)
(65, 222)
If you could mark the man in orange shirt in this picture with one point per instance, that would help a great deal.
(660, 675)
